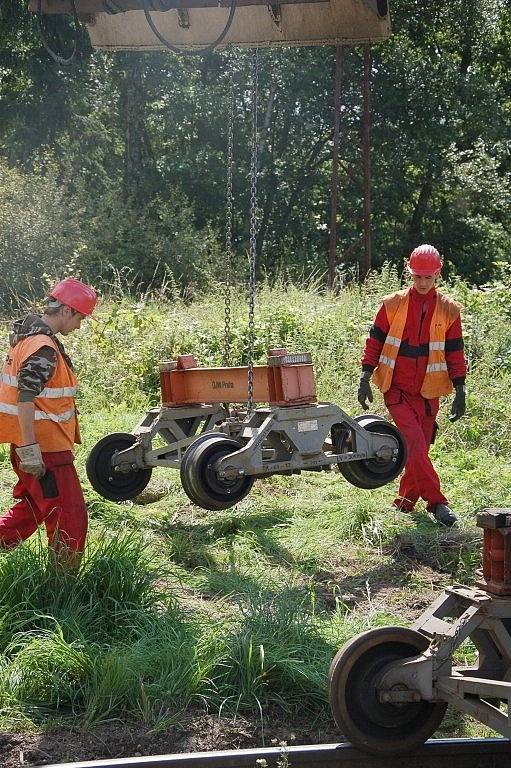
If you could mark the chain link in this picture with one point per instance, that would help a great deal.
(229, 255)
(252, 253)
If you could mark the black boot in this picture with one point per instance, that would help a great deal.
(444, 515)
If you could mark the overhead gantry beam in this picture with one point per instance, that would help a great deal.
(121, 24)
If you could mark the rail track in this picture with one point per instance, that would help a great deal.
(436, 753)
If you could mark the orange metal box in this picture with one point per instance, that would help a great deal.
(284, 382)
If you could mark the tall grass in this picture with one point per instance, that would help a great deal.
(108, 643)
(115, 583)
(104, 642)
(276, 654)
(118, 356)
(176, 607)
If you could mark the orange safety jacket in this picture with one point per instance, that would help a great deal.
(436, 381)
(56, 424)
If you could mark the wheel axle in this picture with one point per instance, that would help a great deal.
(116, 482)
(368, 450)
(390, 687)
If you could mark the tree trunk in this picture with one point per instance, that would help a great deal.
(263, 222)
(133, 104)
(415, 236)
(366, 162)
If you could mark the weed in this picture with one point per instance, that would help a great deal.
(176, 606)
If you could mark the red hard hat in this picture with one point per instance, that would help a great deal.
(424, 260)
(75, 294)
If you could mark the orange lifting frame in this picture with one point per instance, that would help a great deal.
(287, 380)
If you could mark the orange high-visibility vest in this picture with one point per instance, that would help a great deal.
(56, 425)
(436, 381)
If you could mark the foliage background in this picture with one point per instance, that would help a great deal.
(114, 170)
(118, 162)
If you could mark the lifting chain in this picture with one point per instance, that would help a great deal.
(229, 255)
(252, 252)
(60, 60)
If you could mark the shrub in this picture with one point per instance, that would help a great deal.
(38, 236)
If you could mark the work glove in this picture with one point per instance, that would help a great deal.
(458, 404)
(364, 390)
(31, 460)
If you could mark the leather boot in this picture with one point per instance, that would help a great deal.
(444, 515)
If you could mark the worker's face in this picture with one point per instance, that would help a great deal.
(424, 283)
(71, 320)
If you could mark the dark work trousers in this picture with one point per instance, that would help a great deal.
(55, 501)
(419, 480)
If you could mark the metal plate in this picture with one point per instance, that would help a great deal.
(313, 23)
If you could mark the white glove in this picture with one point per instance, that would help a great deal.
(31, 459)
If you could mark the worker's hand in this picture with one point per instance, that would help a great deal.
(458, 404)
(31, 460)
(364, 390)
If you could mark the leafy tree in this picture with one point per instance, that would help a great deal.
(39, 238)
(138, 143)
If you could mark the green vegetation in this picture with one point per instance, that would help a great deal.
(177, 608)
(114, 171)
(117, 163)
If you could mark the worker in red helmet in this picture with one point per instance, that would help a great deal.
(414, 355)
(38, 419)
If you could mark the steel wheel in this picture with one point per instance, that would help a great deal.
(371, 473)
(371, 725)
(200, 480)
(115, 486)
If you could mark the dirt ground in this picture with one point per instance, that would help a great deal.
(194, 733)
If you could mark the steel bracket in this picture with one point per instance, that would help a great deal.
(285, 440)
(176, 428)
(459, 613)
